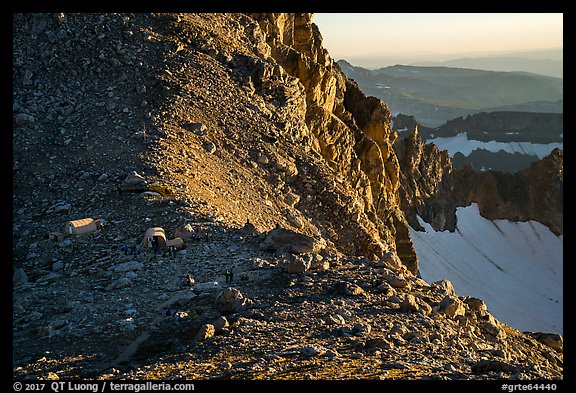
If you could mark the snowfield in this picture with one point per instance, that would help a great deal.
(515, 267)
(461, 143)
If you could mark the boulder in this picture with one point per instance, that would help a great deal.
(348, 288)
(320, 264)
(475, 304)
(409, 304)
(425, 308)
(391, 260)
(446, 286)
(378, 343)
(280, 239)
(22, 119)
(248, 230)
(294, 220)
(210, 147)
(206, 331)
(311, 351)
(361, 329)
(291, 198)
(135, 179)
(335, 319)
(452, 306)
(220, 323)
(196, 128)
(231, 301)
(299, 264)
(120, 283)
(396, 281)
(262, 159)
(551, 340)
(491, 326)
(19, 278)
(386, 289)
(487, 365)
(184, 231)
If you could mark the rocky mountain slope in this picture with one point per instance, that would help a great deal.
(280, 169)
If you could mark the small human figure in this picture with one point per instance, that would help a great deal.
(135, 252)
(172, 251)
(229, 275)
(155, 246)
(189, 280)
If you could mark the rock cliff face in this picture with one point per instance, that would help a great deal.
(535, 193)
(351, 131)
(432, 188)
(426, 182)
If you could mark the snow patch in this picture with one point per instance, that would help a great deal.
(515, 267)
(461, 143)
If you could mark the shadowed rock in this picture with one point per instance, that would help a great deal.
(552, 340)
(280, 239)
(231, 301)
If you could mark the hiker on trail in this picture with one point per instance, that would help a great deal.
(172, 251)
(189, 280)
(229, 275)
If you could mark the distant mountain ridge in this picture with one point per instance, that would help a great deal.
(548, 61)
(507, 126)
(504, 141)
(437, 94)
(547, 67)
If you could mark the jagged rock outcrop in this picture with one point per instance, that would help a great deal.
(432, 188)
(426, 182)
(405, 122)
(351, 131)
(535, 193)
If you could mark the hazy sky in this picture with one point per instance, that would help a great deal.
(348, 35)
